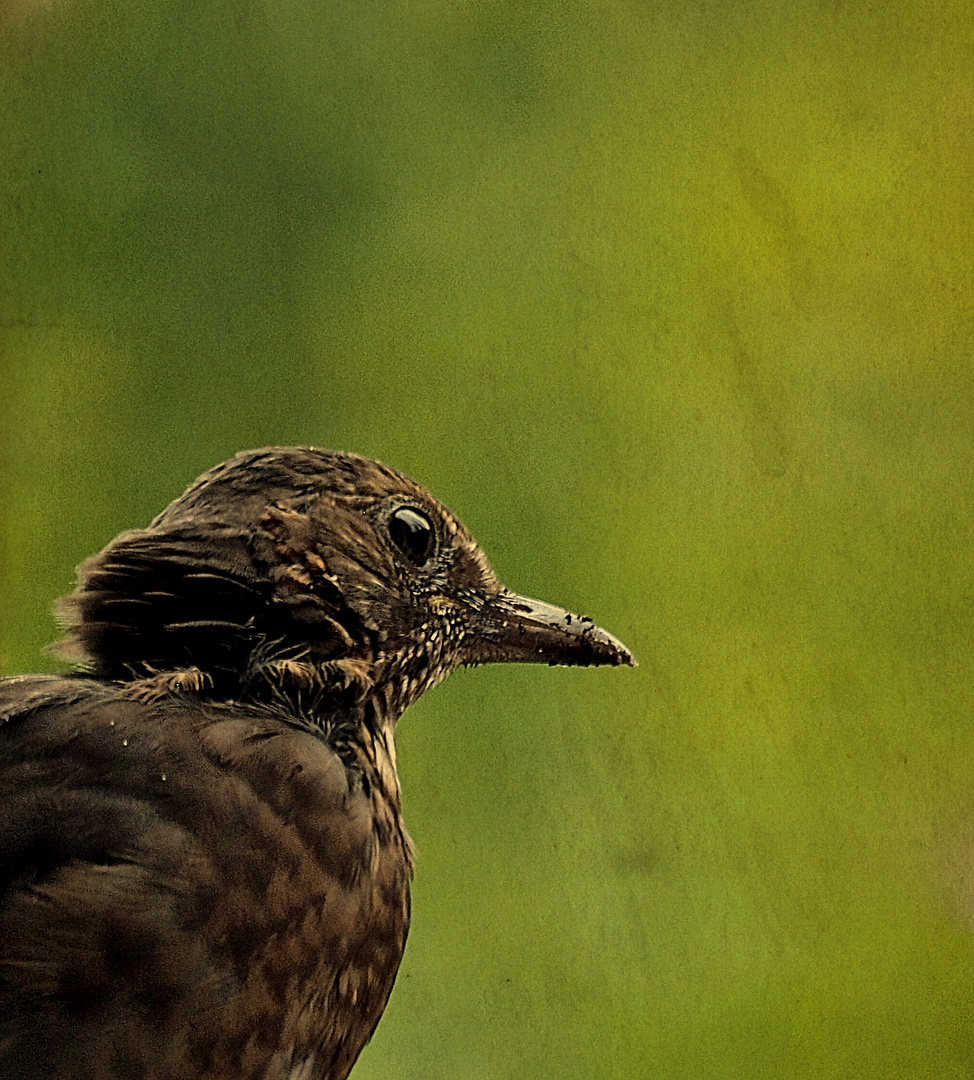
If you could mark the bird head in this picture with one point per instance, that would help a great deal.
(310, 568)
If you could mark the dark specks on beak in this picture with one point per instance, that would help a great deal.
(516, 629)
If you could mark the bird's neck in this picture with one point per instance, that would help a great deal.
(357, 718)
(372, 746)
(382, 744)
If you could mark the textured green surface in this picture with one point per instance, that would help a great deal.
(672, 303)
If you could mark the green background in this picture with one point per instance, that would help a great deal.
(671, 302)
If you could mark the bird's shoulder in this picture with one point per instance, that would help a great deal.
(191, 762)
(198, 873)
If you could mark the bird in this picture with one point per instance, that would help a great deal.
(204, 870)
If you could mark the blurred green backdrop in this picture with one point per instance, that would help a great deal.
(672, 302)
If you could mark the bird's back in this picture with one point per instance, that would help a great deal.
(190, 888)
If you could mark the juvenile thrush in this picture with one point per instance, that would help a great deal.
(204, 871)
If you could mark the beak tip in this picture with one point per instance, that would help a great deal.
(601, 649)
(611, 651)
(623, 658)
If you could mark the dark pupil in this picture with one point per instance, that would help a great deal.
(412, 533)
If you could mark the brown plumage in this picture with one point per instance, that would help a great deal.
(203, 866)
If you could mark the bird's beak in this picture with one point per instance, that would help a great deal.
(516, 629)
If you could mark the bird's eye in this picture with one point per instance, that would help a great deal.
(412, 533)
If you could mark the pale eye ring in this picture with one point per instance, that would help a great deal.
(412, 533)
